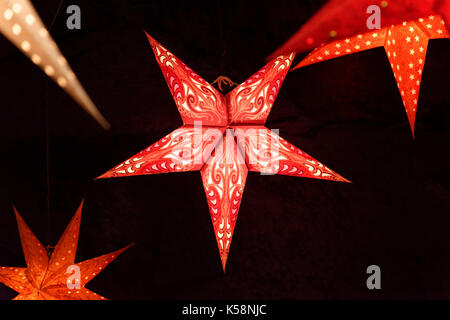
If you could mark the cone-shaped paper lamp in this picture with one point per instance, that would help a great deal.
(20, 23)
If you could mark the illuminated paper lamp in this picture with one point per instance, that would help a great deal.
(444, 10)
(46, 278)
(20, 23)
(231, 141)
(406, 47)
(343, 18)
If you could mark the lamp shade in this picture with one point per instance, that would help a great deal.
(47, 278)
(223, 137)
(20, 23)
(406, 48)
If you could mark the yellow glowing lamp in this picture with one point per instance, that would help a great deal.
(20, 23)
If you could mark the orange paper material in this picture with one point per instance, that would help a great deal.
(52, 278)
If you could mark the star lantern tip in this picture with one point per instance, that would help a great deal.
(152, 40)
(412, 126)
(184, 84)
(223, 260)
(244, 102)
(16, 213)
(224, 176)
(104, 176)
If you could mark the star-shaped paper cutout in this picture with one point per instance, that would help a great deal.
(406, 47)
(47, 279)
(21, 24)
(338, 19)
(223, 137)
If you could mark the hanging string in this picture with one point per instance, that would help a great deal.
(220, 80)
(221, 38)
(47, 146)
(54, 17)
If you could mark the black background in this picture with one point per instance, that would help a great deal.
(295, 238)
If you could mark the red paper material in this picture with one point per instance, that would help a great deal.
(46, 279)
(406, 47)
(338, 19)
(223, 137)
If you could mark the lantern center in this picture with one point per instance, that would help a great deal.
(224, 80)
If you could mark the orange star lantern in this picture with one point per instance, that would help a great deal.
(406, 47)
(224, 137)
(57, 277)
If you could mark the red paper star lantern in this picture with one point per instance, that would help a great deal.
(343, 18)
(232, 139)
(48, 279)
(406, 47)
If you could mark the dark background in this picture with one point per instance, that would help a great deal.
(295, 238)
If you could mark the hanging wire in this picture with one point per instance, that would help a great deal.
(47, 144)
(222, 80)
(221, 37)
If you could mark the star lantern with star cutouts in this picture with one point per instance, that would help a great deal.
(47, 278)
(20, 23)
(338, 19)
(223, 137)
(406, 48)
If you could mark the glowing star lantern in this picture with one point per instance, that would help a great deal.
(20, 23)
(406, 47)
(47, 278)
(224, 137)
(343, 18)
